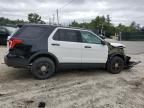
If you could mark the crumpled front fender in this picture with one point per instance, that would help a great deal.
(130, 64)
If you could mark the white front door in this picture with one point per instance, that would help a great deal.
(93, 51)
(65, 45)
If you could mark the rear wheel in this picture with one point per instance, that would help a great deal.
(43, 68)
(115, 65)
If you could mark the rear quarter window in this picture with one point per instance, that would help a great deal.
(30, 32)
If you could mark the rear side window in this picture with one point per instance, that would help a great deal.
(67, 35)
(30, 32)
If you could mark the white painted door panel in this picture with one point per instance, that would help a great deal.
(67, 52)
(98, 53)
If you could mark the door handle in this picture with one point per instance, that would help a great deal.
(87, 46)
(55, 44)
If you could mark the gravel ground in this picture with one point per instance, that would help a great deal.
(75, 88)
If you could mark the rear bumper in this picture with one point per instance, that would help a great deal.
(15, 61)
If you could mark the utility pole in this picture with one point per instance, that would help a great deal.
(120, 36)
(102, 30)
(49, 20)
(83, 23)
(57, 11)
(53, 19)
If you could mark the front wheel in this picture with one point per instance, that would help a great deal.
(115, 65)
(43, 68)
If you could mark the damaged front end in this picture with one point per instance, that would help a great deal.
(129, 64)
(117, 49)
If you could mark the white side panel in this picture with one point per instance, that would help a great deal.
(96, 54)
(66, 52)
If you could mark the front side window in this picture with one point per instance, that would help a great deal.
(67, 35)
(88, 37)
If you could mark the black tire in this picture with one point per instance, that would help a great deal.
(115, 65)
(43, 68)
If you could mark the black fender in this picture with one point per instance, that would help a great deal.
(43, 54)
(110, 56)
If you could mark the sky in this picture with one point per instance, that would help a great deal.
(120, 11)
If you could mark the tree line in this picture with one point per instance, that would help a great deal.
(102, 24)
(32, 18)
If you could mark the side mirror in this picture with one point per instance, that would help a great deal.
(103, 43)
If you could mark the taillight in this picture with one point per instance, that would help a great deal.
(13, 42)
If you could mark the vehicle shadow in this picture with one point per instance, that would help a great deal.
(80, 72)
(25, 74)
(15, 74)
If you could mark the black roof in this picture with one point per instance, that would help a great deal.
(52, 26)
(39, 25)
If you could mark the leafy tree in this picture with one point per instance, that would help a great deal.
(6, 21)
(108, 19)
(133, 27)
(102, 23)
(138, 27)
(74, 24)
(35, 18)
(142, 29)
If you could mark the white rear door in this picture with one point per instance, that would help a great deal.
(93, 51)
(65, 45)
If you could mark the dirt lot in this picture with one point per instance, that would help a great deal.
(73, 89)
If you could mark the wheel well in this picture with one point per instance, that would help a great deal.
(45, 55)
(118, 55)
(121, 56)
(114, 55)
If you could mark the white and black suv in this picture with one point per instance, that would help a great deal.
(44, 49)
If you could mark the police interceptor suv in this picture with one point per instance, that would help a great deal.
(44, 49)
